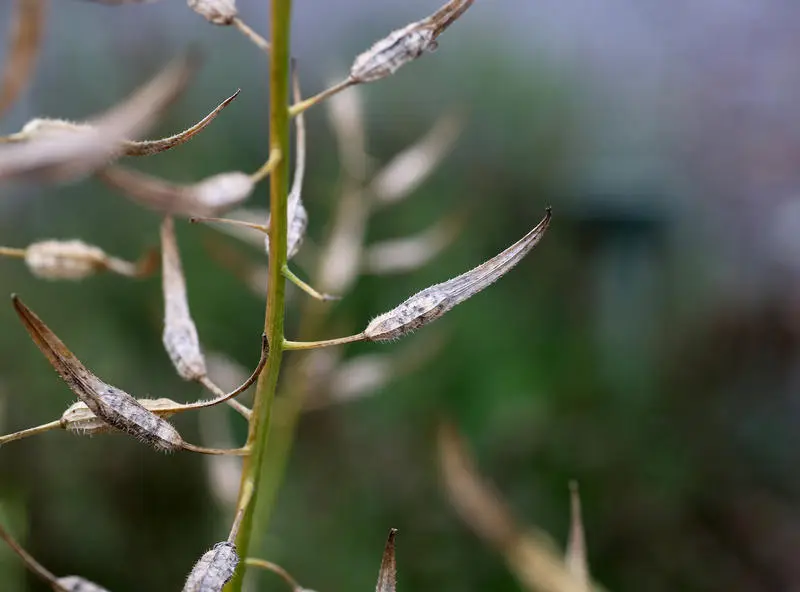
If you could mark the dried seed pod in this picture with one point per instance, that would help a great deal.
(214, 569)
(79, 584)
(387, 576)
(210, 197)
(529, 552)
(65, 584)
(27, 27)
(180, 333)
(402, 255)
(81, 420)
(41, 128)
(75, 260)
(68, 155)
(110, 404)
(406, 171)
(392, 52)
(295, 210)
(431, 303)
(217, 12)
(575, 557)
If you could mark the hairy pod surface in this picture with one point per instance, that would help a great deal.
(404, 45)
(217, 12)
(213, 570)
(433, 302)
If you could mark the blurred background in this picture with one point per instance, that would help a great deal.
(648, 348)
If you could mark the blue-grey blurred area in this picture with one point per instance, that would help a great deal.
(648, 348)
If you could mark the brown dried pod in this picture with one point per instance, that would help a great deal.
(40, 128)
(65, 584)
(217, 12)
(110, 404)
(387, 575)
(68, 155)
(431, 303)
(27, 27)
(530, 553)
(214, 569)
(76, 260)
(212, 196)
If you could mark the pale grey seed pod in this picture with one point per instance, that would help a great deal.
(392, 52)
(406, 254)
(411, 167)
(79, 584)
(224, 191)
(387, 576)
(80, 419)
(76, 260)
(180, 333)
(217, 12)
(64, 260)
(575, 556)
(433, 302)
(214, 569)
(404, 45)
(296, 212)
(210, 197)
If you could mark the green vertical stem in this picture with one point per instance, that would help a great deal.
(258, 433)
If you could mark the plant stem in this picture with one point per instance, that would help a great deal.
(273, 323)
